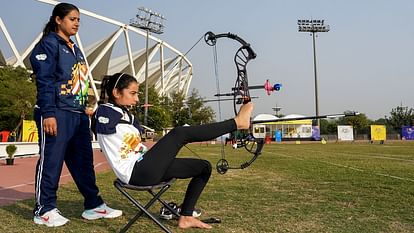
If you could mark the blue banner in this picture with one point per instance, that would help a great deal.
(407, 132)
(316, 133)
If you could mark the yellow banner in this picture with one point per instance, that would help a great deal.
(378, 133)
(29, 131)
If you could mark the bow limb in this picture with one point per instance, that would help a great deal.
(243, 55)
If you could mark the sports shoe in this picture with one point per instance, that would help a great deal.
(167, 215)
(102, 211)
(51, 218)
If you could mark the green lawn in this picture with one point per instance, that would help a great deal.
(337, 187)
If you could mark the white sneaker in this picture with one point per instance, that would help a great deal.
(52, 218)
(102, 211)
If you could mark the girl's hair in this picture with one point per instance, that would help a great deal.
(119, 81)
(60, 10)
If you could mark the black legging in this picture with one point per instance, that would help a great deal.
(160, 162)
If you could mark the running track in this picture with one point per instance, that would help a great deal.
(17, 181)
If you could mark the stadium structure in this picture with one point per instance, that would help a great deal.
(169, 70)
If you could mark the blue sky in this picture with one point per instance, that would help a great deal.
(365, 63)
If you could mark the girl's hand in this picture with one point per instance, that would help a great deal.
(89, 111)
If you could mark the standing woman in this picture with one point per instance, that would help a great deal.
(62, 91)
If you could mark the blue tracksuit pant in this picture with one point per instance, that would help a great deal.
(72, 145)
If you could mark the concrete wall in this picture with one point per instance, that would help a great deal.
(27, 148)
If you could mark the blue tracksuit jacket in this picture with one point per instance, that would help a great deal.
(60, 76)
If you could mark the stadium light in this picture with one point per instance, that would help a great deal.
(149, 21)
(314, 26)
(277, 110)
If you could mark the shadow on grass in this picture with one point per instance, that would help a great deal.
(9, 196)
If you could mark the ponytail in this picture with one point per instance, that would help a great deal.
(50, 26)
(104, 85)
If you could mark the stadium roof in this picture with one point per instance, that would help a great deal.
(168, 69)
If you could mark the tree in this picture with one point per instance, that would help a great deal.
(328, 126)
(191, 111)
(174, 111)
(359, 122)
(17, 97)
(158, 117)
(199, 114)
(400, 116)
(178, 111)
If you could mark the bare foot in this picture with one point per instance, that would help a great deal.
(243, 117)
(185, 222)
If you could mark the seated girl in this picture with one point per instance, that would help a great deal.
(118, 133)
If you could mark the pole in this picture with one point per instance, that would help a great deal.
(316, 81)
(146, 81)
(149, 21)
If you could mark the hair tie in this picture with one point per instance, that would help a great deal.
(118, 80)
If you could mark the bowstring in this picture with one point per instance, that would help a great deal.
(185, 54)
(216, 74)
(217, 84)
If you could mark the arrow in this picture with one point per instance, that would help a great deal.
(214, 100)
(309, 117)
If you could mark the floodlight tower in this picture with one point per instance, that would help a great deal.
(277, 110)
(314, 26)
(149, 21)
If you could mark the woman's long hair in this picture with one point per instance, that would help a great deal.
(60, 10)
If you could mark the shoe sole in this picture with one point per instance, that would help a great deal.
(114, 214)
(166, 217)
(40, 222)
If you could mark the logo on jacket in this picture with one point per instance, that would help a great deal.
(78, 85)
(103, 120)
(41, 57)
(130, 141)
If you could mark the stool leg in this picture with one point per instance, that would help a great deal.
(143, 209)
(165, 204)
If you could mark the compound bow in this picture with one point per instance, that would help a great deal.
(240, 95)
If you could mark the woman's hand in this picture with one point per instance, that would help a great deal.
(50, 126)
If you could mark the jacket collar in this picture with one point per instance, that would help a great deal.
(60, 39)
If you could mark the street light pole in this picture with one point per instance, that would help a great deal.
(314, 26)
(146, 79)
(316, 80)
(149, 21)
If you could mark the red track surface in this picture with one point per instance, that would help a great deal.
(17, 181)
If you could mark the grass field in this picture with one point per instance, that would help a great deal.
(337, 187)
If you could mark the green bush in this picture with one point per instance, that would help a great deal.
(11, 150)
